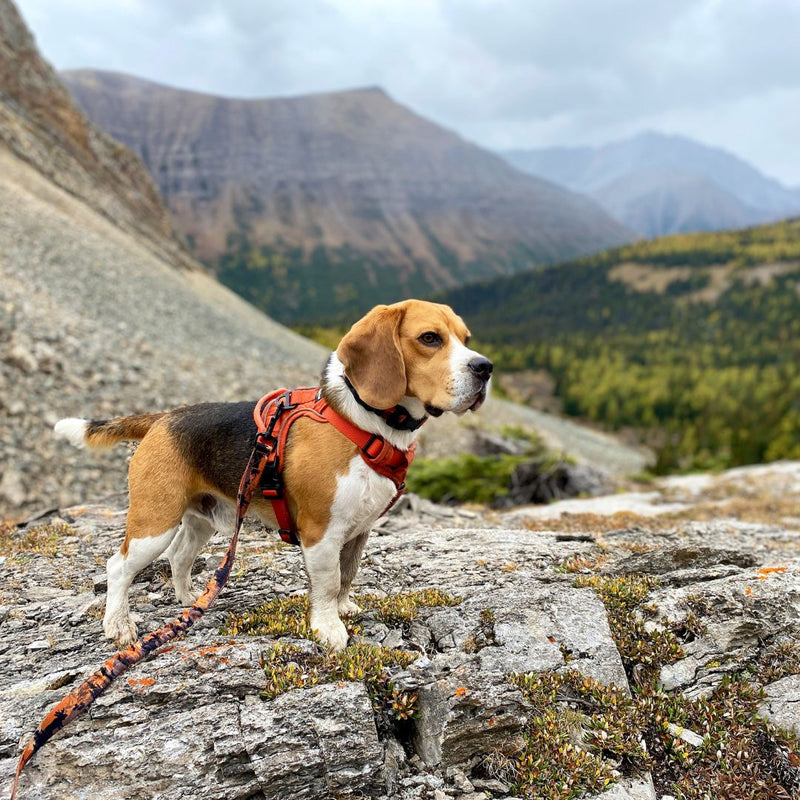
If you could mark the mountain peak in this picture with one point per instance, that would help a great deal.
(343, 199)
(658, 183)
(98, 79)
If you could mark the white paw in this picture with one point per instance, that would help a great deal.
(331, 632)
(347, 608)
(185, 594)
(120, 628)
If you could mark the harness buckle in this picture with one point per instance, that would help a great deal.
(264, 444)
(375, 447)
(288, 536)
(270, 484)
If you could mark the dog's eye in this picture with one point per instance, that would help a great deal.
(430, 339)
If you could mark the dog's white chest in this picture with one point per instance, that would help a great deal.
(362, 495)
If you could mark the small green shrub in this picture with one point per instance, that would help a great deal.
(463, 479)
(39, 539)
(287, 616)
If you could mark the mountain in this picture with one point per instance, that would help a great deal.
(658, 201)
(692, 339)
(658, 184)
(40, 124)
(316, 207)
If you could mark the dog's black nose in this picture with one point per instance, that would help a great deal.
(481, 367)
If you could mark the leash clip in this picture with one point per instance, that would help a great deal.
(264, 444)
(270, 484)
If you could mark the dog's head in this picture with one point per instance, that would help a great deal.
(415, 349)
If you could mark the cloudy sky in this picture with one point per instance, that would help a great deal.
(503, 73)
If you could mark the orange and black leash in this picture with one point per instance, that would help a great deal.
(82, 697)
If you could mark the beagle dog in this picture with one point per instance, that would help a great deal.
(184, 476)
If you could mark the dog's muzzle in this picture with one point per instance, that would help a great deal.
(481, 368)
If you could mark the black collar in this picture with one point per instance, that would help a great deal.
(397, 417)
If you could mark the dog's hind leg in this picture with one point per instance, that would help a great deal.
(349, 562)
(121, 569)
(158, 482)
(199, 524)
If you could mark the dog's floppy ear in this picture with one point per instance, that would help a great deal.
(372, 358)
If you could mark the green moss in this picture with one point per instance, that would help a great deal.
(403, 608)
(289, 667)
(643, 651)
(287, 616)
(40, 539)
(568, 753)
(279, 616)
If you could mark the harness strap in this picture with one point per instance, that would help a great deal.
(274, 415)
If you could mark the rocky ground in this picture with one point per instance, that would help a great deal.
(536, 590)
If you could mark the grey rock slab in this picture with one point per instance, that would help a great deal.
(314, 743)
(544, 627)
(461, 715)
(630, 789)
(679, 558)
(739, 613)
(781, 705)
(465, 560)
(645, 504)
(163, 734)
(469, 707)
(128, 755)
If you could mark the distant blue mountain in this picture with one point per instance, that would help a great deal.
(658, 184)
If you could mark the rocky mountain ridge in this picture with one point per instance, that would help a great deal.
(40, 124)
(315, 205)
(102, 312)
(658, 184)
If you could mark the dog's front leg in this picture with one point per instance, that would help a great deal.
(324, 577)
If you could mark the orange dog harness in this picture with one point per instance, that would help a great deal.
(274, 415)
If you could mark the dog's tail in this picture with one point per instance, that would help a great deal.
(105, 433)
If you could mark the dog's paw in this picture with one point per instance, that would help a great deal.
(347, 608)
(120, 629)
(331, 632)
(186, 594)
